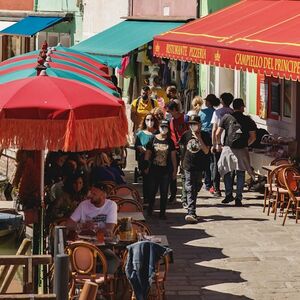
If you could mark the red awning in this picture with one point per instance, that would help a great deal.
(254, 35)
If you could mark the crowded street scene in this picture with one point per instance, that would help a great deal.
(149, 150)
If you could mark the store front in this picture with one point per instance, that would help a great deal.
(251, 50)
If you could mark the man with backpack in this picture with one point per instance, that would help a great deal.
(240, 132)
(142, 106)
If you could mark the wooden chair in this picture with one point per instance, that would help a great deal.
(274, 190)
(292, 187)
(157, 290)
(127, 205)
(110, 185)
(268, 193)
(84, 258)
(116, 199)
(137, 227)
(127, 192)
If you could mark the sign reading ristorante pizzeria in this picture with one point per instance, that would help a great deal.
(263, 63)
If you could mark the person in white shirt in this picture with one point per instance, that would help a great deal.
(226, 100)
(96, 209)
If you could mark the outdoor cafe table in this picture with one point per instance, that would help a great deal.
(136, 215)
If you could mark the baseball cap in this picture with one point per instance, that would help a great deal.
(100, 185)
(164, 123)
(194, 119)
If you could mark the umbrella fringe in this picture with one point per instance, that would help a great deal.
(68, 135)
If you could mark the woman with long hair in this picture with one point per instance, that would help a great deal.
(160, 163)
(148, 128)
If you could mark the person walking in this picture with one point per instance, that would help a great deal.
(160, 162)
(205, 115)
(177, 128)
(226, 100)
(141, 106)
(240, 132)
(146, 132)
(195, 145)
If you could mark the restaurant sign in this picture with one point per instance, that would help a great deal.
(275, 65)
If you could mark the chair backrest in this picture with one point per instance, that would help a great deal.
(291, 183)
(162, 267)
(114, 198)
(274, 178)
(84, 258)
(127, 205)
(110, 185)
(280, 161)
(137, 226)
(126, 192)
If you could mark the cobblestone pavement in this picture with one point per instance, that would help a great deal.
(233, 253)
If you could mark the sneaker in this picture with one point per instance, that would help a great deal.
(184, 205)
(217, 194)
(212, 190)
(171, 199)
(162, 217)
(192, 219)
(228, 199)
(238, 203)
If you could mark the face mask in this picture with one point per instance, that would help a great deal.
(149, 123)
(145, 97)
(163, 130)
(194, 127)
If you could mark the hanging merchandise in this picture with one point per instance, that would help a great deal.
(166, 79)
(184, 75)
(192, 83)
(131, 71)
(124, 64)
(140, 54)
(149, 51)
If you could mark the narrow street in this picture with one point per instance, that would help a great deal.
(233, 253)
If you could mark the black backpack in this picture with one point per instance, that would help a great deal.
(235, 136)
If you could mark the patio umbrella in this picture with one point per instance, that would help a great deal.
(57, 59)
(64, 52)
(21, 65)
(51, 113)
(31, 72)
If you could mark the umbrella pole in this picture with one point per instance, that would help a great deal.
(42, 270)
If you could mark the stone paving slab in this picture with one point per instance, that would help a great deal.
(233, 253)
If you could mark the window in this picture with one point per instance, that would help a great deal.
(287, 98)
(275, 99)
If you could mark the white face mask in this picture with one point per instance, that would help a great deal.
(194, 127)
(149, 123)
(163, 130)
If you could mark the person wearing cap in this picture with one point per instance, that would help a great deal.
(240, 132)
(96, 209)
(226, 100)
(205, 115)
(160, 164)
(195, 145)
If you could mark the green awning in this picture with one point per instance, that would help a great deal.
(110, 45)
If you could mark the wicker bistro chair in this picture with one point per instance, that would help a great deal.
(116, 199)
(84, 258)
(129, 206)
(127, 192)
(268, 189)
(292, 187)
(276, 189)
(157, 290)
(137, 227)
(110, 185)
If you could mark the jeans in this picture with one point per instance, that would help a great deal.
(193, 184)
(215, 173)
(208, 173)
(173, 187)
(158, 179)
(240, 181)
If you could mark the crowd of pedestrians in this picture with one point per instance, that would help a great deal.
(206, 144)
